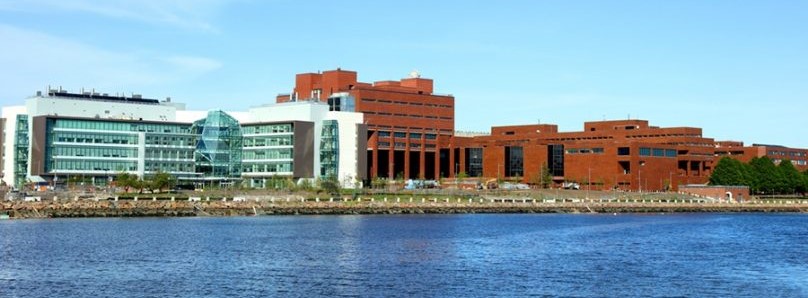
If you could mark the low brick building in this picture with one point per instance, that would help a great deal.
(719, 192)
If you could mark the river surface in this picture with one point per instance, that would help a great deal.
(664, 255)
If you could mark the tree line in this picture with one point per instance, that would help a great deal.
(762, 176)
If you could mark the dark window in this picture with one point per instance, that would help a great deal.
(474, 162)
(555, 154)
(400, 134)
(514, 158)
(623, 151)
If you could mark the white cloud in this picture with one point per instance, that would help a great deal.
(32, 59)
(189, 14)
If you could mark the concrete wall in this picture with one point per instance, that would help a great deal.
(349, 146)
(10, 113)
(39, 106)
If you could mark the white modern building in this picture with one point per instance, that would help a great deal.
(56, 135)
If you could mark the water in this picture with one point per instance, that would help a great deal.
(693, 255)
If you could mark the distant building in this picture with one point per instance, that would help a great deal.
(777, 153)
(95, 136)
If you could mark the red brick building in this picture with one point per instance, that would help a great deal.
(409, 126)
(411, 135)
(718, 192)
(737, 150)
(624, 154)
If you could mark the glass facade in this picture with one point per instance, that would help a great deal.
(103, 148)
(21, 144)
(267, 152)
(215, 148)
(329, 149)
(218, 147)
(342, 102)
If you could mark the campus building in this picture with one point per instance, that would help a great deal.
(409, 126)
(333, 125)
(621, 154)
(58, 135)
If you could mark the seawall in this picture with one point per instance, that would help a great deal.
(60, 209)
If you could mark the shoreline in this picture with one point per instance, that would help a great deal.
(90, 209)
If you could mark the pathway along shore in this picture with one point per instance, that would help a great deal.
(158, 208)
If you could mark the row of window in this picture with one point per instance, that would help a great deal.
(94, 151)
(406, 103)
(169, 154)
(121, 126)
(407, 115)
(264, 129)
(171, 140)
(413, 135)
(169, 167)
(585, 150)
(657, 152)
(787, 153)
(67, 137)
(267, 141)
(111, 166)
(284, 153)
(279, 167)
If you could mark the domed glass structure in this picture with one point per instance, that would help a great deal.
(218, 148)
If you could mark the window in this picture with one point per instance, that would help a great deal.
(514, 159)
(623, 151)
(670, 153)
(400, 134)
(645, 151)
(659, 152)
(474, 162)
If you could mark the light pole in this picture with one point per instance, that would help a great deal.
(639, 175)
(588, 181)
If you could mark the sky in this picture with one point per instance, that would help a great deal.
(737, 69)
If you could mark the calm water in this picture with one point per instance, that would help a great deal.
(696, 255)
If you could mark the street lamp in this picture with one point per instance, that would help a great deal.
(588, 181)
(639, 175)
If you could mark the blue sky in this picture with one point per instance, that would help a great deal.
(738, 69)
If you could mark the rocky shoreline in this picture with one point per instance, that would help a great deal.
(20, 210)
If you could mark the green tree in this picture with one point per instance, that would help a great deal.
(766, 177)
(792, 180)
(730, 171)
(329, 184)
(126, 181)
(161, 180)
(546, 177)
(804, 182)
